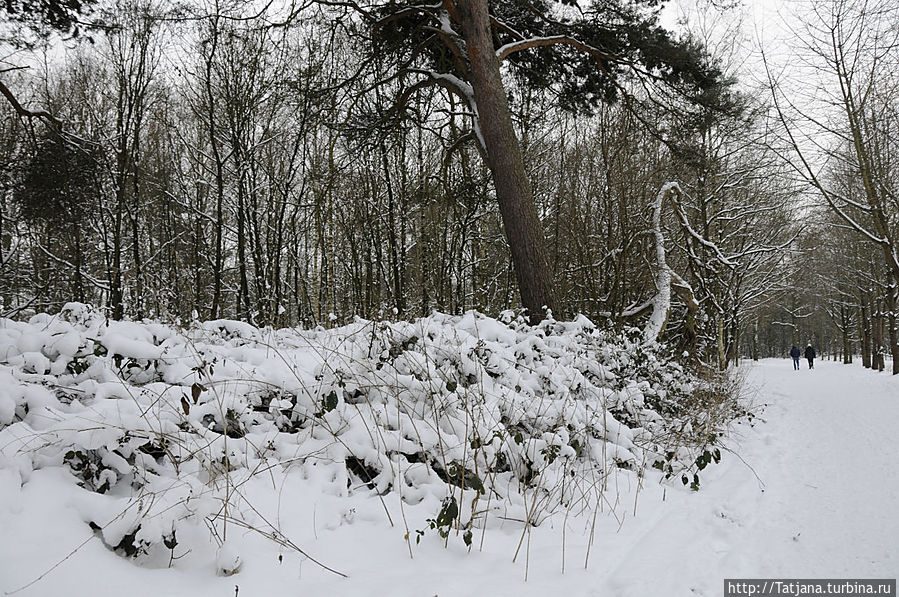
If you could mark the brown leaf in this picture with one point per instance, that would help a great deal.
(195, 391)
(185, 405)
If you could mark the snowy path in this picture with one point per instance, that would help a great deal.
(825, 504)
(818, 496)
(829, 463)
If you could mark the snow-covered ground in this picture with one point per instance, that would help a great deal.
(813, 494)
(810, 490)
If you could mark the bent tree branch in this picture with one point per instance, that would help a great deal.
(26, 113)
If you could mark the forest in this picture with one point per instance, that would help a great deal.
(447, 297)
(305, 164)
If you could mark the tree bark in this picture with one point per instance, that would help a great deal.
(79, 266)
(876, 335)
(844, 329)
(865, 334)
(521, 223)
(212, 130)
(891, 322)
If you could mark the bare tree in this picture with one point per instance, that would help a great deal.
(853, 48)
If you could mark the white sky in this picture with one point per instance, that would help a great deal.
(762, 24)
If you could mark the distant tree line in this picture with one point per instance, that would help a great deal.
(844, 149)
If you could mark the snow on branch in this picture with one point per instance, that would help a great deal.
(635, 310)
(661, 303)
(463, 90)
(682, 216)
(508, 49)
(101, 284)
(24, 112)
(684, 291)
(666, 279)
(5, 259)
(880, 240)
(785, 324)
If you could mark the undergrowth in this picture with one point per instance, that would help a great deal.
(484, 418)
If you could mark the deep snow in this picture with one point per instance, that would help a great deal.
(813, 493)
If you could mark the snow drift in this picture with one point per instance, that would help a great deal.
(162, 427)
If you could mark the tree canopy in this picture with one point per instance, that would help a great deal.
(42, 16)
(580, 54)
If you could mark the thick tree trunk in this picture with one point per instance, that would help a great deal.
(513, 189)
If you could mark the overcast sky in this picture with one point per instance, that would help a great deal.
(762, 24)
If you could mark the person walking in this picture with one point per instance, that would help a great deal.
(795, 353)
(810, 355)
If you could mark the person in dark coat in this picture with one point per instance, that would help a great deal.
(795, 353)
(810, 355)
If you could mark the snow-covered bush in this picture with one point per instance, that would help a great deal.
(481, 417)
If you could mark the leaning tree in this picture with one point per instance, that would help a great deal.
(582, 53)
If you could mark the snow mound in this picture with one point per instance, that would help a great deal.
(160, 427)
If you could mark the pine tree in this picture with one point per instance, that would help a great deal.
(581, 54)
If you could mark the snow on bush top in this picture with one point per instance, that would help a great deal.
(448, 408)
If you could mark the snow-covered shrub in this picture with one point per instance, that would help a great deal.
(481, 417)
